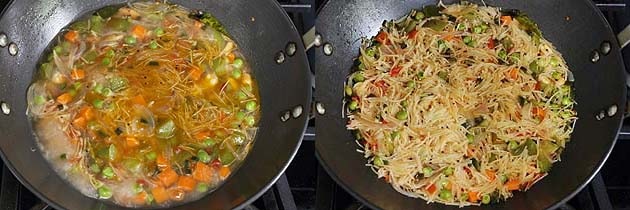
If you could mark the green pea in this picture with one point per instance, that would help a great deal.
(159, 32)
(40, 100)
(241, 95)
(151, 156)
(554, 61)
(556, 75)
(460, 27)
(566, 114)
(419, 15)
(236, 73)
(502, 54)
(395, 134)
(110, 53)
(94, 168)
(58, 49)
(106, 61)
(449, 171)
(370, 52)
(202, 187)
(420, 74)
(470, 138)
(358, 77)
(485, 199)
(250, 121)
(238, 63)
(567, 101)
(401, 115)
(427, 171)
(209, 142)
(467, 39)
(512, 145)
(153, 44)
(477, 29)
(104, 192)
(203, 156)
(446, 194)
(378, 161)
(240, 115)
(130, 40)
(137, 188)
(251, 105)
(108, 172)
(411, 84)
(503, 178)
(404, 104)
(348, 90)
(353, 105)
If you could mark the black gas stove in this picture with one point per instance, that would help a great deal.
(305, 185)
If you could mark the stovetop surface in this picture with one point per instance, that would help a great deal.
(306, 185)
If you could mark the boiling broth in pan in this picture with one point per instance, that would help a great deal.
(147, 104)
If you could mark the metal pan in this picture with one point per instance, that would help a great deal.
(262, 30)
(575, 27)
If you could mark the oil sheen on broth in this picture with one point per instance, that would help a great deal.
(147, 104)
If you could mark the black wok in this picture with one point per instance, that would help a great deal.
(260, 27)
(575, 27)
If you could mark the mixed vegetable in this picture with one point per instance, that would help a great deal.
(462, 104)
(157, 103)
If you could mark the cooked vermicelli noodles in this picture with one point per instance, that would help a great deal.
(461, 104)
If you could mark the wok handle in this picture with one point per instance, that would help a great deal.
(311, 39)
(624, 37)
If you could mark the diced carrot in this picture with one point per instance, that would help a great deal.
(470, 152)
(160, 195)
(140, 198)
(382, 38)
(64, 98)
(195, 73)
(395, 71)
(139, 99)
(71, 36)
(473, 197)
(202, 172)
(79, 122)
(448, 37)
(186, 183)
(77, 74)
(162, 162)
(412, 34)
(87, 112)
(431, 189)
(513, 73)
(538, 112)
(201, 135)
(231, 57)
(224, 172)
(491, 175)
(198, 24)
(132, 142)
(506, 20)
(139, 31)
(449, 185)
(491, 43)
(513, 184)
(168, 177)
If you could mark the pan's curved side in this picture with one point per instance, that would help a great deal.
(575, 27)
(261, 28)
